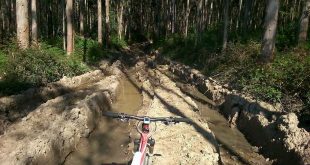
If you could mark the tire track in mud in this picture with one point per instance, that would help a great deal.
(180, 143)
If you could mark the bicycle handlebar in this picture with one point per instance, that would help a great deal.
(141, 118)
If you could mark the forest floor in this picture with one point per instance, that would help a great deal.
(135, 84)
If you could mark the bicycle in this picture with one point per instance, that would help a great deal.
(144, 147)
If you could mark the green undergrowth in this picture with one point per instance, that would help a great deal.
(288, 76)
(3, 61)
(35, 67)
(48, 62)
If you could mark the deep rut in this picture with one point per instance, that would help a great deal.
(109, 141)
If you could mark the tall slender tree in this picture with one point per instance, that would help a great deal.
(2, 24)
(107, 23)
(22, 23)
(226, 19)
(186, 17)
(271, 21)
(69, 14)
(99, 21)
(120, 10)
(304, 22)
(34, 24)
(63, 4)
(82, 16)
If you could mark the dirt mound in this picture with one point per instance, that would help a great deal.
(16, 106)
(50, 132)
(294, 138)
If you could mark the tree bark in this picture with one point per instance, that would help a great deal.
(186, 17)
(225, 29)
(69, 13)
(173, 13)
(100, 22)
(22, 23)
(120, 19)
(198, 22)
(247, 14)
(2, 22)
(271, 21)
(107, 23)
(304, 23)
(34, 24)
(64, 24)
(82, 13)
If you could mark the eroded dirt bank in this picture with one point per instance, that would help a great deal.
(15, 107)
(233, 146)
(51, 131)
(275, 132)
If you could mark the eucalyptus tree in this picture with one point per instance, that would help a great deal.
(99, 3)
(22, 23)
(70, 33)
(304, 22)
(271, 21)
(34, 23)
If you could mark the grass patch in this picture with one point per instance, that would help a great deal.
(35, 67)
(3, 61)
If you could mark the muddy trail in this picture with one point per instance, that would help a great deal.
(108, 142)
(62, 123)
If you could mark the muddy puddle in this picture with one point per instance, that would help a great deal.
(234, 148)
(109, 142)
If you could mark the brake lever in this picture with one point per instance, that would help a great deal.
(169, 121)
(123, 119)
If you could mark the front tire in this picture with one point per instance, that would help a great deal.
(147, 160)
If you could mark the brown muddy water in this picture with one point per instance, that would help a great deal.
(109, 142)
(233, 146)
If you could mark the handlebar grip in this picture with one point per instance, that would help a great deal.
(110, 114)
(185, 120)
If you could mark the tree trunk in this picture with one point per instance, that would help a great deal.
(198, 22)
(22, 23)
(271, 21)
(304, 23)
(69, 13)
(2, 22)
(225, 29)
(10, 19)
(34, 25)
(120, 19)
(186, 17)
(173, 13)
(107, 23)
(247, 14)
(82, 13)
(64, 24)
(100, 22)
